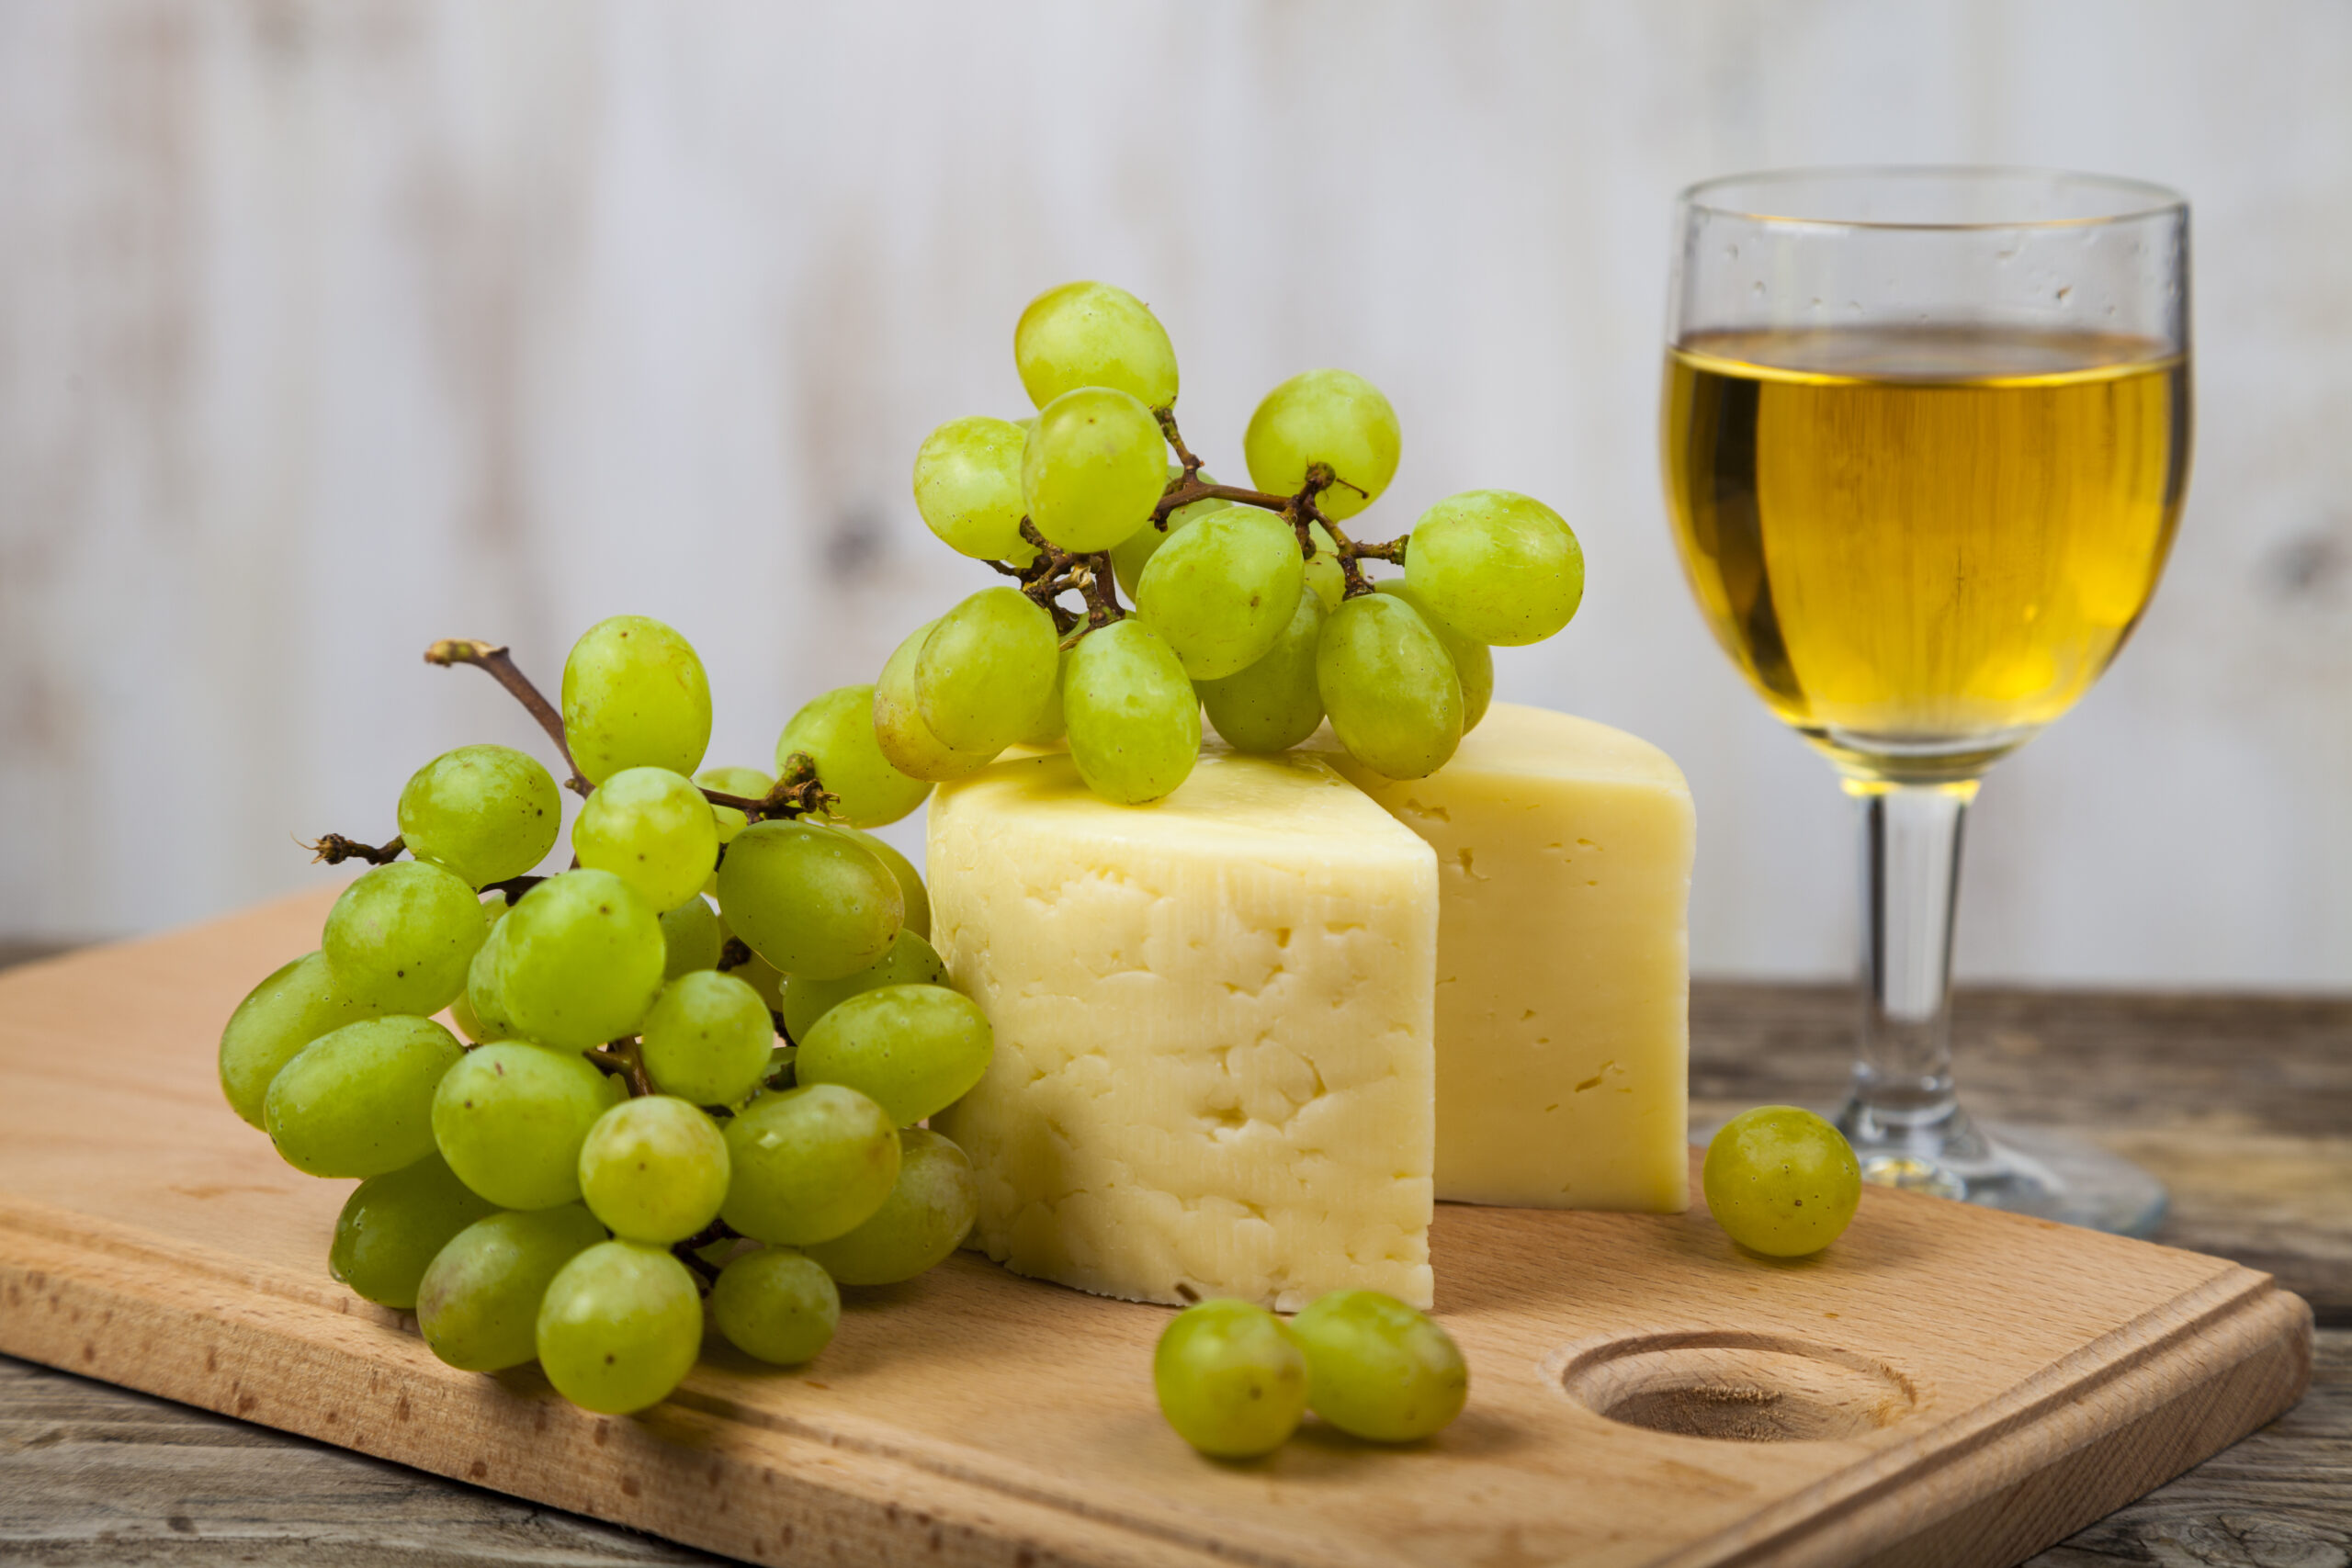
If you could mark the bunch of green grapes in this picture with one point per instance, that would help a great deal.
(1252, 603)
(648, 1098)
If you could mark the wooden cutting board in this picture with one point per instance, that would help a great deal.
(1946, 1385)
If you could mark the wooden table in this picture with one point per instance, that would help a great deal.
(2243, 1105)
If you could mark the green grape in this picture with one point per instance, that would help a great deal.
(581, 960)
(1051, 725)
(619, 1327)
(967, 488)
(905, 740)
(634, 696)
(1091, 334)
(913, 1050)
(1496, 567)
(918, 902)
(1782, 1181)
(837, 732)
(909, 961)
(470, 1027)
(1093, 469)
(1274, 705)
(1377, 1369)
(1390, 687)
(749, 782)
(392, 1224)
(485, 813)
(400, 938)
(1134, 720)
(986, 671)
(1473, 662)
(690, 938)
(924, 1219)
(1132, 554)
(810, 1164)
(1324, 579)
(652, 828)
(477, 1305)
(776, 1305)
(1220, 592)
(1330, 417)
(1230, 1379)
(298, 1002)
(809, 898)
(708, 1038)
(653, 1168)
(358, 1101)
(510, 1118)
(484, 1001)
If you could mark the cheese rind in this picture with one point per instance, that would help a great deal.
(1564, 852)
(1214, 1063)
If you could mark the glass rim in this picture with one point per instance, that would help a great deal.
(2137, 198)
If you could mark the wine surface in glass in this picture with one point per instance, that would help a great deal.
(1922, 545)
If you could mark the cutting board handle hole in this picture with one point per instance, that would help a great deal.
(1735, 1386)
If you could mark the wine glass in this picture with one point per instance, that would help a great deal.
(1926, 436)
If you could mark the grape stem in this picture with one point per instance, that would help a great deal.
(797, 794)
(688, 1253)
(494, 658)
(622, 1059)
(335, 848)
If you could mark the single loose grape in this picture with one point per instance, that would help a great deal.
(910, 889)
(1134, 720)
(1331, 417)
(298, 1002)
(909, 961)
(1230, 1379)
(394, 1225)
(809, 898)
(1473, 662)
(478, 1304)
(653, 829)
(1377, 1369)
(901, 733)
(1389, 685)
(484, 812)
(690, 938)
(708, 1038)
(925, 1217)
(1274, 704)
(358, 1102)
(749, 782)
(1782, 1181)
(1496, 567)
(913, 1050)
(1222, 591)
(581, 960)
(620, 1328)
(634, 696)
(1093, 469)
(808, 1163)
(1091, 334)
(510, 1118)
(836, 730)
(653, 1168)
(967, 488)
(985, 670)
(777, 1304)
(401, 936)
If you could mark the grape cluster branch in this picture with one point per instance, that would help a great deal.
(335, 848)
(797, 792)
(623, 1059)
(494, 658)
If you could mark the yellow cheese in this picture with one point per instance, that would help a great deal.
(1564, 854)
(1213, 1016)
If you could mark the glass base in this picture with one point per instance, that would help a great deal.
(2026, 1170)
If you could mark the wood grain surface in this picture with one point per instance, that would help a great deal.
(491, 1525)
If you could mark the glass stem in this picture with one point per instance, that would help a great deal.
(1903, 1111)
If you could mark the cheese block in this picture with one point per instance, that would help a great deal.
(1214, 1062)
(1564, 853)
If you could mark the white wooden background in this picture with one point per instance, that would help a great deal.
(330, 328)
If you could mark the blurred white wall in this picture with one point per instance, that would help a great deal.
(327, 328)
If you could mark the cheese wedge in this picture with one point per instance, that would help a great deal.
(1564, 852)
(1214, 1061)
